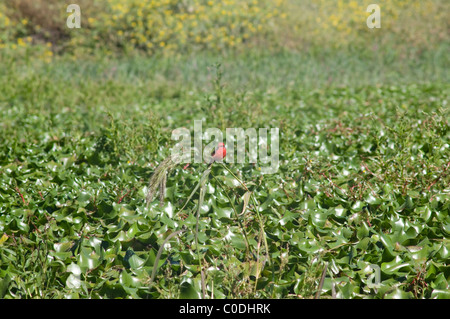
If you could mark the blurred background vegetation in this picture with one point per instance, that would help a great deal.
(87, 113)
(38, 27)
(166, 48)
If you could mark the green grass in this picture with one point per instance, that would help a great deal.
(363, 177)
(254, 69)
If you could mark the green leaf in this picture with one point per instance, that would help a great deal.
(136, 262)
(238, 241)
(440, 294)
(4, 284)
(190, 289)
(398, 293)
(395, 265)
(363, 231)
(3, 239)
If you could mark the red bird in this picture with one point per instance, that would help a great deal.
(217, 155)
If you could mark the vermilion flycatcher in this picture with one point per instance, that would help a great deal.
(217, 155)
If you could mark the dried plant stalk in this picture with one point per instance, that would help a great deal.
(159, 178)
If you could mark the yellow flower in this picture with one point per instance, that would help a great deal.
(20, 42)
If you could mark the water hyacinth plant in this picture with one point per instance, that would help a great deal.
(93, 205)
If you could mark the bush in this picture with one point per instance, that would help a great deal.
(163, 25)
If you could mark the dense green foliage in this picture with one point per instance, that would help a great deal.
(363, 180)
(86, 117)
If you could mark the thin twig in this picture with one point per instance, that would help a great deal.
(122, 197)
(158, 255)
(257, 261)
(23, 200)
(439, 177)
(256, 210)
(199, 204)
(322, 279)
